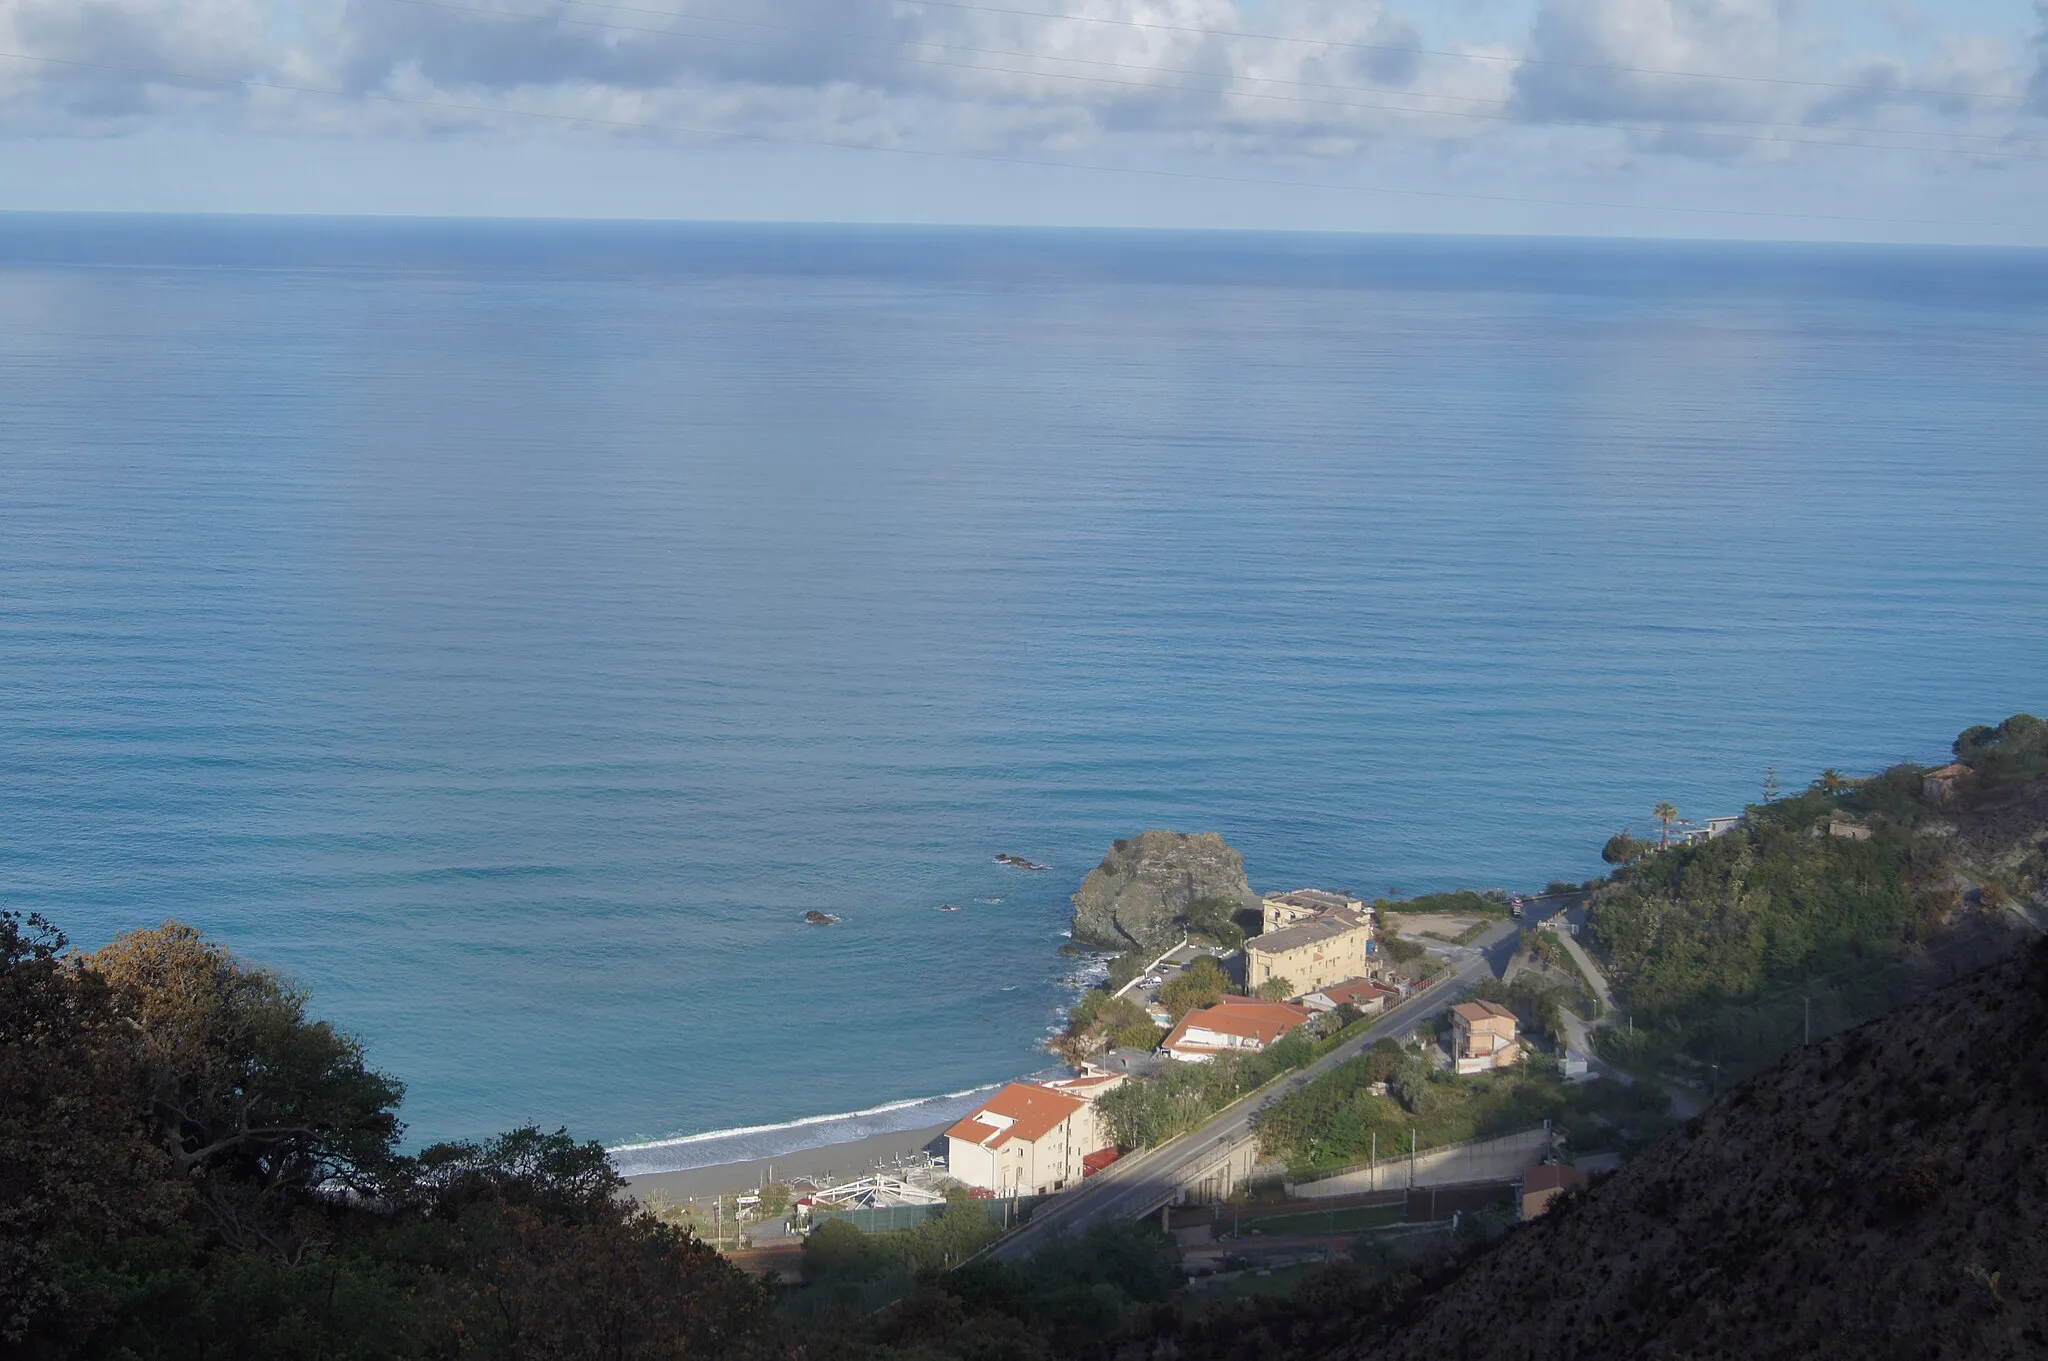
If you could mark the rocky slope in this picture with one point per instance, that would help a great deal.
(1881, 1194)
(1145, 884)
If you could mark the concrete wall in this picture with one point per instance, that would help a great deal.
(1477, 1160)
(1213, 1179)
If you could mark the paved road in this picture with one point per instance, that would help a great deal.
(1135, 1185)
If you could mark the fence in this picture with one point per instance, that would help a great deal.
(1473, 1160)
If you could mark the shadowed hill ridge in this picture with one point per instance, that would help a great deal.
(1880, 1194)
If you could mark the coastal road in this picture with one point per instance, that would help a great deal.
(1140, 1184)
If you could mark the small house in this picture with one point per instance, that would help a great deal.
(1483, 1037)
(1939, 786)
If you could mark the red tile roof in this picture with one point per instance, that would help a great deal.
(1033, 1111)
(1250, 1017)
(1356, 990)
(1483, 1011)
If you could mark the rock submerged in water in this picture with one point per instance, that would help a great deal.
(1147, 882)
(821, 919)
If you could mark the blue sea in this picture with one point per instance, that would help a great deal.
(510, 631)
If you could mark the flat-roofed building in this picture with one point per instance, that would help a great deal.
(1031, 1138)
(1303, 904)
(1235, 1025)
(1310, 955)
(1483, 1037)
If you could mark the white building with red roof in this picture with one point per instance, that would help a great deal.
(1235, 1025)
(1362, 993)
(1032, 1138)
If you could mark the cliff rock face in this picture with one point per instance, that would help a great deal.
(1144, 884)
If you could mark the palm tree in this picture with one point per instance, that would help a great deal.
(1665, 813)
(1831, 781)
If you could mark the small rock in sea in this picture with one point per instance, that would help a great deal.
(1019, 862)
(1069, 951)
(947, 907)
(820, 918)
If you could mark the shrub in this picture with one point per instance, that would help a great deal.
(1201, 985)
(1216, 918)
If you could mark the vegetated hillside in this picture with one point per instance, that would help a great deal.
(1821, 909)
(1883, 1193)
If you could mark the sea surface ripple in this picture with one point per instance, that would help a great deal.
(511, 631)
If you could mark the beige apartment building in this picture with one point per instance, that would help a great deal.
(1304, 904)
(1310, 955)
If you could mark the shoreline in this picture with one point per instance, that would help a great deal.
(851, 1158)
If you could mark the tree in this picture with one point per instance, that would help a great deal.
(1276, 989)
(1666, 813)
(1621, 848)
(526, 1168)
(1201, 985)
(73, 1157)
(255, 1106)
(1770, 784)
(1831, 782)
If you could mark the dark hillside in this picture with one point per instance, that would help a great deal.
(1883, 1193)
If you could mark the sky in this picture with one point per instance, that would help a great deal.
(1890, 120)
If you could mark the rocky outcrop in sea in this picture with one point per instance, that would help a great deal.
(1146, 884)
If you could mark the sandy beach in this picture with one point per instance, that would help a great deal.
(842, 1160)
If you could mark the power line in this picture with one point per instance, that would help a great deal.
(1655, 129)
(221, 82)
(1463, 56)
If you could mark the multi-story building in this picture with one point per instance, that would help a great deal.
(1304, 904)
(1031, 1138)
(1483, 1037)
(1311, 954)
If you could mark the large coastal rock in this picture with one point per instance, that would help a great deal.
(1136, 896)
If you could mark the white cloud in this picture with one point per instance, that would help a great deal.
(1335, 78)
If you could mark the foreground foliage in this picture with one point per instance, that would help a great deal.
(193, 1168)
